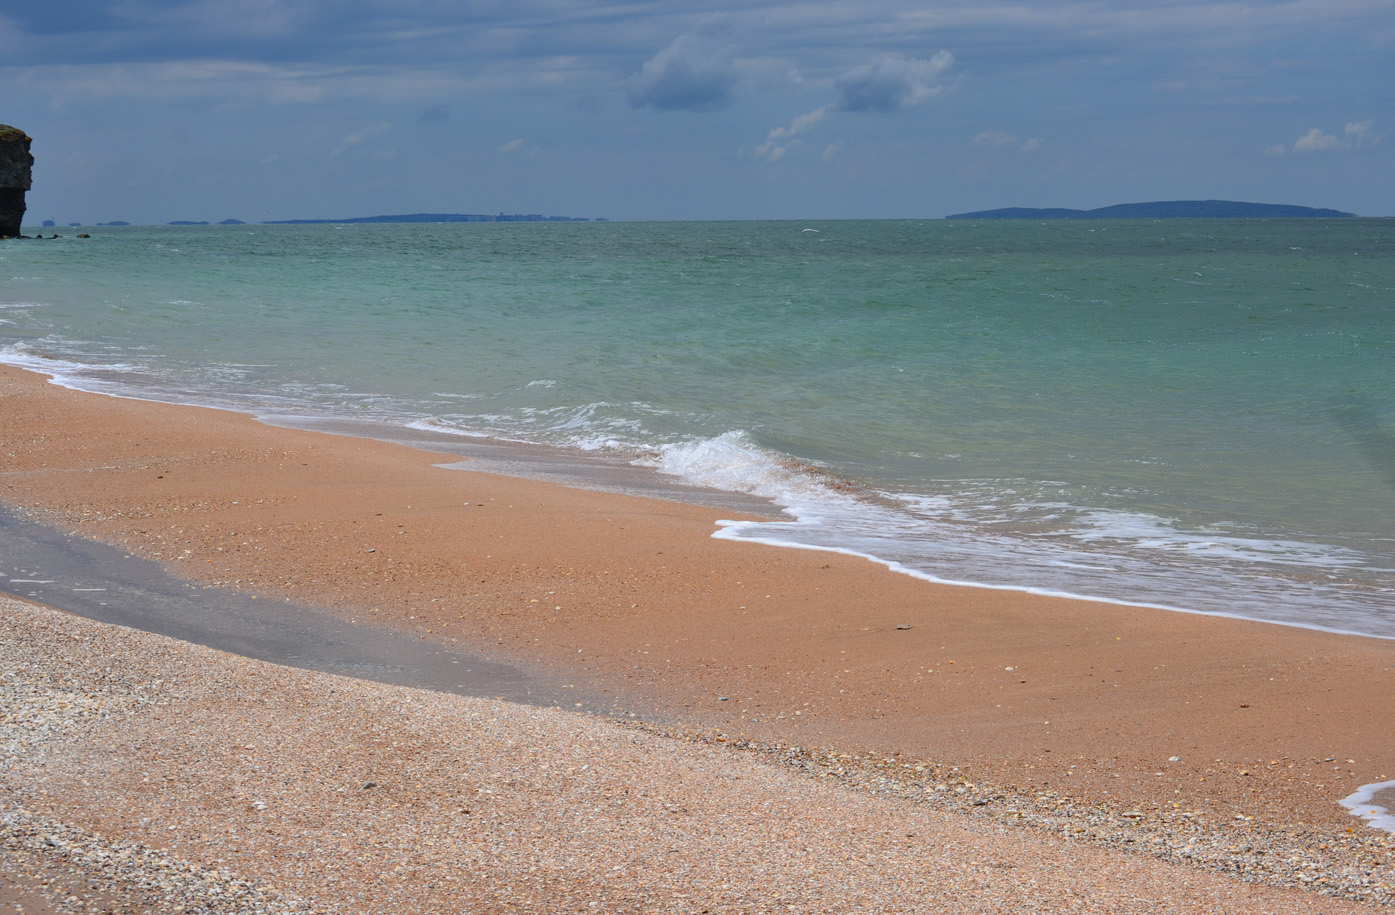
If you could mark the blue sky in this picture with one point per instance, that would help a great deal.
(155, 110)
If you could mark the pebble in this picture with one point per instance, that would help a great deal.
(49, 693)
(1355, 865)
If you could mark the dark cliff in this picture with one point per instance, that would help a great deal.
(15, 177)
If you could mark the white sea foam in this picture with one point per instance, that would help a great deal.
(733, 463)
(1361, 803)
(589, 427)
(1152, 533)
(423, 425)
(65, 372)
(455, 395)
(986, 535)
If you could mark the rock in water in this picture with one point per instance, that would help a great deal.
(15, 178)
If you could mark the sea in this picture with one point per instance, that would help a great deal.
(1196, 415)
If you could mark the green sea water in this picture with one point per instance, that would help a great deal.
(1197, 414)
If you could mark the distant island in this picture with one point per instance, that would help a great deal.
(409, 217)
(434, 217)
(1168, 209)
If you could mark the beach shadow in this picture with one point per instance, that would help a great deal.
(103, 583)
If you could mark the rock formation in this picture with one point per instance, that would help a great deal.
(15, 165)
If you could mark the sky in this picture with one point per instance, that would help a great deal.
(150, 111)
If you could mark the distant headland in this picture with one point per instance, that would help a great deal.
(1167, 209)
(435, 217)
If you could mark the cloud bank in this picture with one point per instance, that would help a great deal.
(691, 74)
(262, 108)
(891, 84)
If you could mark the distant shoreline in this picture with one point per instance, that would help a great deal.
(435, 217)
(400, 218)
(1166, 209)
(1172, 209)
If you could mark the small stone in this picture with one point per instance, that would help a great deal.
(904, 626)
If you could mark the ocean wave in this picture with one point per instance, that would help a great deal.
(990, 534)
(1149, 532)
(424, 425)
(734, 463)
(66, 373)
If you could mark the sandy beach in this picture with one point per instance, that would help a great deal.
(801, 731)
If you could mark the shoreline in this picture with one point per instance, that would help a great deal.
(581, 470)
(521, 460)
(634, 598)
(901, 569)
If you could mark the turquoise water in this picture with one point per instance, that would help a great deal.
(1191, 414)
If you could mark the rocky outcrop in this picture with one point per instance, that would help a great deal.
(15, 178)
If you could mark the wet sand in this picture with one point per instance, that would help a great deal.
(1250, 729)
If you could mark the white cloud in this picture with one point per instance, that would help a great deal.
(517, 149)
(777, 144)
(891, 84)
(1359, 134)
(1316, 141)
(1355, 136)
(360, 136)
(805, 121)
(1001, 139)
(995, 138)
(691, 74)
(1278, 149)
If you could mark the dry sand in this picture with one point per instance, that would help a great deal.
(1140, 733)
